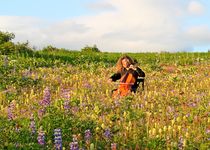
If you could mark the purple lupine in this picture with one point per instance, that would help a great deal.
(74, 144)
(66, 105)
(46, 98)
(88, 135)
(107, 133)
(58, 139)
(10, 111)
(41, 137)
(180, 143)
(87, 85)
(32, 125)
(207, 131)
(41, 112)
(65, 94)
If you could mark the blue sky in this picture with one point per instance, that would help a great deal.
(113, 25)
(46, 9)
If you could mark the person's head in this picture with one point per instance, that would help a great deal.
(124, 62)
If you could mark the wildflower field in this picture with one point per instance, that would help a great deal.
(62, 100)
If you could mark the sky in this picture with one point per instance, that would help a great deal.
(111, 25)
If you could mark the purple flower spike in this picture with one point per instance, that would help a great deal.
(46, 98)
(74, 145)
(32, 125)
(66, 105)
(107, 133)
(10, 111)
(58, 139)
(41, 137)
(87, 135)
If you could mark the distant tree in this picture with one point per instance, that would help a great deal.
(6, 46)
(90, 49)
(23, 48)
(50, 48)
(6, 37)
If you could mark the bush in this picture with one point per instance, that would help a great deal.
(23, 48)
(90, 49)
(50, 48)
(7, 48)
(6, 37)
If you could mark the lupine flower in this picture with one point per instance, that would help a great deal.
(10, 111)
(41, 137)
(32, 124)
(66, 105)
(41, 112)
(107, 133)
(87, 85)
(46, 98)
(65, 94)
(87, 135)
(180, 143)
(74, 144)
(58, 139)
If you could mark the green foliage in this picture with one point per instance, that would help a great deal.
(23, 48)
(50, 48)
(90, 49)
(6, 37)
(172, 104)
(7, 48)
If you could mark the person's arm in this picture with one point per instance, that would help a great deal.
(141, 76)
(140, 72)
(115, 77)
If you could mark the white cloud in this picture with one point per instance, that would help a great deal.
(195, 8)
(101, 6)
(134, 25)
(199, 34)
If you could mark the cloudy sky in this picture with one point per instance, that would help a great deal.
(113, 25)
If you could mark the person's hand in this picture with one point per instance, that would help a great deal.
(109, 80)
(132, 67)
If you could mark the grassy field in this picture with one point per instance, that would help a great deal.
(63, 99)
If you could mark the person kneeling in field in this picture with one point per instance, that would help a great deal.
(129, 74)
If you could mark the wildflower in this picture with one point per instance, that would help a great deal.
(10, 111)
(66, 105)
(113, 146)
(107, 133)
(41, 137)
(74, 144)
(58, 139)
(65, 94)
(207, 131)
(153, 131)
(87, 85)
(87, 135)
(41, 112)
(32, 124)
(46, 98)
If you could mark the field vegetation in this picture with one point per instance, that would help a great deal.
(60, 99)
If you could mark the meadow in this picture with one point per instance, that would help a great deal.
(62, 100)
